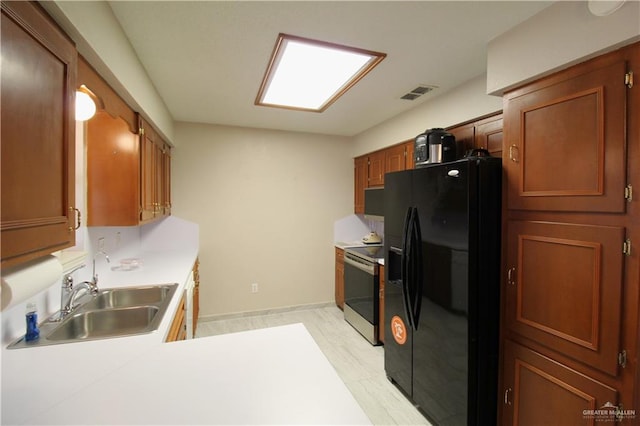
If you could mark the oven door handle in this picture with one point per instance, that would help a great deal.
(367, 267)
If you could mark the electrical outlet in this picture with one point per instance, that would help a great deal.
(254, 287)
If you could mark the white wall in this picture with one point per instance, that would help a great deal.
(561, 35)
(463, 103)
(266, 202)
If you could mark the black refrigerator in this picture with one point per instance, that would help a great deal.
(442, 290)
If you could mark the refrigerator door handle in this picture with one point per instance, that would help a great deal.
(404, 270)
(417, 274)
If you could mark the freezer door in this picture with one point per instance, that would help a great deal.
(398, 338)
(398, 333)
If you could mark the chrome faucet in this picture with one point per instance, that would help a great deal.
(68, 286)
(88, 285)
(94, 278)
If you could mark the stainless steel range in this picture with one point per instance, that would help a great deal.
(362, 288)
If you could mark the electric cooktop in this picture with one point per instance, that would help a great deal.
(370, 252)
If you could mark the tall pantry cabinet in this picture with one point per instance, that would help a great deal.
(571, 154)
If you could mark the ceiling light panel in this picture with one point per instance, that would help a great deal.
(310, 75)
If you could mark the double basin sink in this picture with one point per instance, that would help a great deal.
(114, 312)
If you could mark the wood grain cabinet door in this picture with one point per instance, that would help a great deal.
(539, 391)
(488, 135)
(360, 172)
(38, 135)
(564, 142)
(377, 162)
(113, 171)
(394, 159)
(564, 288)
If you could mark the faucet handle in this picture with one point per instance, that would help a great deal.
(67, 279)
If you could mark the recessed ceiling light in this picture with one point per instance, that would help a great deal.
(310, 75)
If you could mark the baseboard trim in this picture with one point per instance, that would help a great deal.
(206, 318)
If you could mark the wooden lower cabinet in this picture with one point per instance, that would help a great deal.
(196, 295)
(541, 391)
(339, 283)
(178, 329)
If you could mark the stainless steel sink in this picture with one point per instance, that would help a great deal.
(107, 323)
(125, 297)
(114, 312)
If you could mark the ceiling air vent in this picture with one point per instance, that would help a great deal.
(417, 92)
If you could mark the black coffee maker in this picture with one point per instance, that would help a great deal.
(434, 146)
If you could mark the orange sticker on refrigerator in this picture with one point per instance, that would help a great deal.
(399, 330)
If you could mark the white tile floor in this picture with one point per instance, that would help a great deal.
(359, 364)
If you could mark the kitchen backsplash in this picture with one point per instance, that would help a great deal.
(353, 227)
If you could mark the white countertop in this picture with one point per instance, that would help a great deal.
(276, 375)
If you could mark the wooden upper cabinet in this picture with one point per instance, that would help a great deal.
(113, 172)
(409, 160)
(155, 164)
(563, 135)
(165, 183)
(128, 163)
(540, 391)
(360, 173)
(38, 135)
(377, 162)
(465, 138)
(488, 135)
(395, 158)
(148, 173)
(564, 288)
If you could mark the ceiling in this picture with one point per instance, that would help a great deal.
(207, 58)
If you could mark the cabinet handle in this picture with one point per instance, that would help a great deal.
(78, 218)
(511, 276)
(507, 391)
(514, 153)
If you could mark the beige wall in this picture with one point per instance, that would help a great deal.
(463, 103)
(266, 202)
(561, 35)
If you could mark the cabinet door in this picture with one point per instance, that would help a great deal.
(113, 172)
(177, 330)
(464, 138)
(540, 391)
(564, 288)
(148, 154)
(409, 160)
(165, 184)
(394, 159)
(38, 135)
(360, 183)
(563, 137)
(377, 162)
(488, 135)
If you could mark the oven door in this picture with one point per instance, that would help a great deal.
(361, 298)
